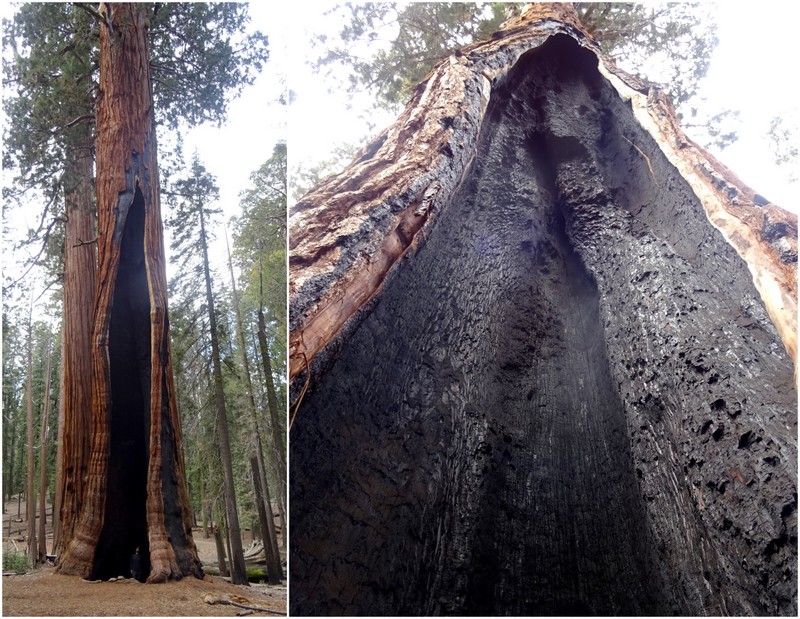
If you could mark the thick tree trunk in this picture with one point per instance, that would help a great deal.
(544, 378)
(80, 269)
(135, 492)
(238, 570)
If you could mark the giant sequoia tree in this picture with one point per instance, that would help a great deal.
(135, 489)
(541, 355)
(200, 57)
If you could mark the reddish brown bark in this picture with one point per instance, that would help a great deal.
(396, 259)
(131, 286)
(80, 268)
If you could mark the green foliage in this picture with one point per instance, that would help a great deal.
(50, 65)
(13, 408)
(420, 34)
(49, 68)
(388, 48)
(15, 562)
(260, 245)
(670, 43)
(45, 345)
(201, 58)
(189, 197)
(192, 198)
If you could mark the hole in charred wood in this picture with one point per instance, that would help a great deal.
(125, 525)
(747, 439)
(718, 405)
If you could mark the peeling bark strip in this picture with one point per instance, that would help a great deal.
(136, 491)
(347, 234)
(569, 398)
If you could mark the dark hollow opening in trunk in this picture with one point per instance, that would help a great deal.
(125, 525)
(491, 438)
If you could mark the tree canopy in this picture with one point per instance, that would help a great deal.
(202, 56)
(388, 48)
(383, 50)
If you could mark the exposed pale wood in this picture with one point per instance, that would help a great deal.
(217, 599)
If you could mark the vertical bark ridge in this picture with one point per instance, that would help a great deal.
(80, 267)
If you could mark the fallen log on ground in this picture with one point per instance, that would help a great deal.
(225, 599)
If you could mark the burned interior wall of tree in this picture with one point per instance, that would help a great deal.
(569, 399)
(125, 521)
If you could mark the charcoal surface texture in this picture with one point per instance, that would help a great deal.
(568, 401)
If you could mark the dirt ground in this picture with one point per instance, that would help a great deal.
(45, 593)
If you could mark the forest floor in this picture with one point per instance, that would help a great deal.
(43, 592)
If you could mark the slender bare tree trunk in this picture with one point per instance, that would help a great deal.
(259, 470)
(267, 521)
(278, 434)
(238, 571)
(30, 497)
(59, 456)
(43, 458)
(223, 566)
